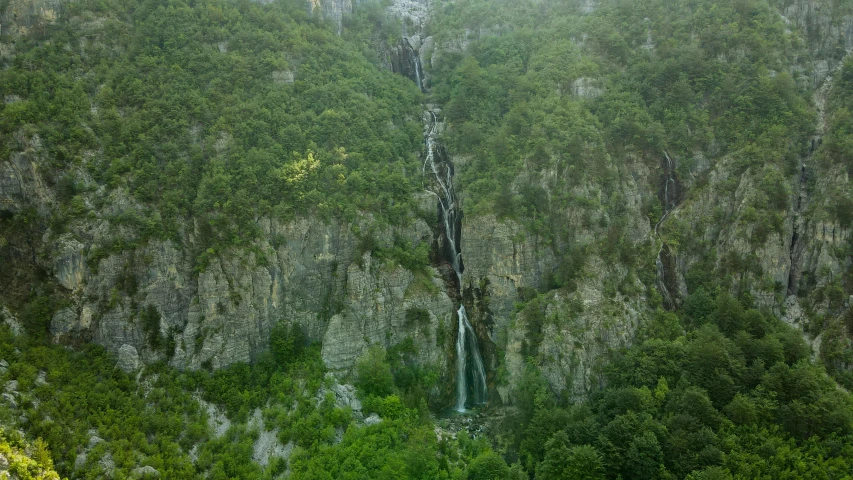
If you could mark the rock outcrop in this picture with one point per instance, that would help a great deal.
(332, 11)
(827, 26)
(310, 273)
(153, 299)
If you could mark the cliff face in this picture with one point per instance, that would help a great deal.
(305, 271)
(113, 285)
(566, 330)
(766, 228)
(332, 11)
(307, 274)
(23, 17)
(153, 297)
(828, 29)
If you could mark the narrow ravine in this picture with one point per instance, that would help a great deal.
(438, 174)
(665, 262)
(470, 371)
(800, 221)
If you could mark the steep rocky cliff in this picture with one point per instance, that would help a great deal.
(332, 11)
(112, 284)
(307, 271)
(762, 226)
(560, 297)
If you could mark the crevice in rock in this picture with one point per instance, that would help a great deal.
(406, 62)
(670, 195)
(471, 384)
(796, 248)
(800, 224)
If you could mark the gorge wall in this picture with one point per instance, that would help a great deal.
(317, 272)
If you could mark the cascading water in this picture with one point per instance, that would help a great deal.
(469, 364)
(665, 257)
(416, 59)
(406, 61)
(470, 371)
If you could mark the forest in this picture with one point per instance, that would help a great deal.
(214, 118)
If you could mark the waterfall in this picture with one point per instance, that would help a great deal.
(406, 61)
(469, 361)
(461, 387)
(416, 59)
(479, 371)
(470, 371)
(669, 201)
(669, 181)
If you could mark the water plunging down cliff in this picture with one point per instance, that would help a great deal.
(470, 372)
(670, 194)
(406, 61)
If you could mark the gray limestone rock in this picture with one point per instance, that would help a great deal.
(345, 396)
(267, 447)
(586, 88)
(20, 17)
(826, 26)
(503, 258)
(69, 262)
(578, 330)
(108, 465)
(80, 461)
(12, 321)
(94, 440)
(373, 419)
(588, 6)
(128, 358)
(63, 322)
(216, 419)
(283, 76)
(146, 471)
(10, 399)
(331, 10)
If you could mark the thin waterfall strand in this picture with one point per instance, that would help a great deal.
(479, 368)
(668, 205)
(461, 388)
(466, 340)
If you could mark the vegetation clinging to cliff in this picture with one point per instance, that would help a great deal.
(217, 111)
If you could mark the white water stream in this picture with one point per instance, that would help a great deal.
(467, 347)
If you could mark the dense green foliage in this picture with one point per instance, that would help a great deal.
(837, 150)
(834, 157)
(693, 76)
(26, 462)
(82, 391)
(217, 111)
(715, 391)
(557, 111)
(155, 419)
(734, 396)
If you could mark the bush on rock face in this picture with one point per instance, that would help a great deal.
(373, 373)
(286, 343)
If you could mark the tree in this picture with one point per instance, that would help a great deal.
(710, 473)
(488, 466)
(645, 457)
(565, 462)
(286, 342)
(373, 373)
